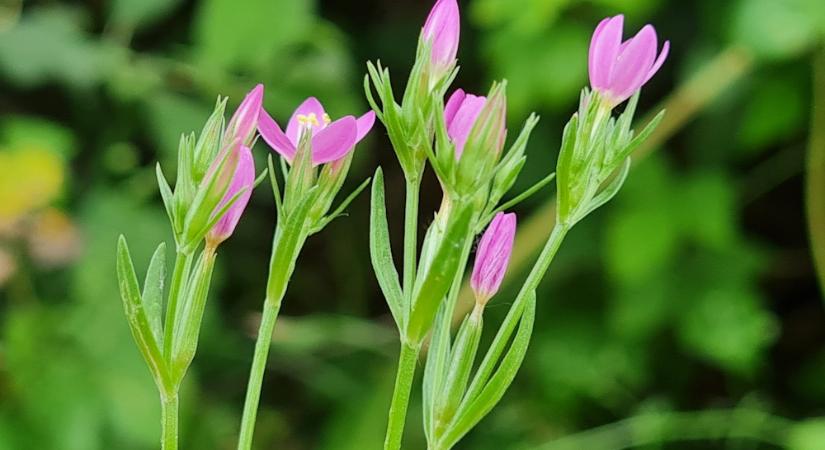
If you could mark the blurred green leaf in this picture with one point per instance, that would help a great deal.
(807, 435)
(778, 29)
(727, 325)
(135, 13)
(774, 110)
(49, 44)
(249, 34)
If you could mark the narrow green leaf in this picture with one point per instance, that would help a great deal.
(606, 194)
(153, 287)
(519, 198)
(136, 315)
(339, 211)
(440, 273)
(287, 242)
(641, 137)
(276, 191)
(381, 254)
(473, 409)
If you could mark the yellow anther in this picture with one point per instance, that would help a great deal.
(327, 120)
(309, 119)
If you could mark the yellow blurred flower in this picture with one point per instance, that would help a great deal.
(53, 239)
(32, 177)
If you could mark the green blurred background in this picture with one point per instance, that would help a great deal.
(686, 314)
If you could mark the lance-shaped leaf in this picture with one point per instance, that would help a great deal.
(476, 405)
(381, 254)
(153, 291)
(136, 315)
(439, 275)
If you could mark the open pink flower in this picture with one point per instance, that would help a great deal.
(493, 256)
(243, 178)
(243, 123)
(619, 69)
(460, 114)
(442, 29)
(331, 141)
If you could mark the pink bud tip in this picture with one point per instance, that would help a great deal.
(442, 30)
(619, 69)
(243, 178)
(493, 256)
(460, 114)
(243, 123)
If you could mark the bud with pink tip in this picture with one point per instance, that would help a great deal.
(493, 256)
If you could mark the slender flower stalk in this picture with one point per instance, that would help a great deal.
(619, 69)
(318, 151)
(493, 256)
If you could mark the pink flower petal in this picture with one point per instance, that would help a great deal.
(633, 64)
(243, 122)
(453, 104)
(308, 107)
(604, 49)
(659, 61)
(273, 136)
(243, 178)
(463, 121)
(364, 125)
(335, 141)
(443, 27)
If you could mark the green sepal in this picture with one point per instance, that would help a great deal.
(209, 195)
(185, 341)
(339, 211)
(153, 287)
(435, 370)
(462, 356)
(381, 253)
(477, 404)
(168, 201)
(607, 193)
(209, 141)
(287, 242)
(137, 318)
(436, 280)
(276, 190)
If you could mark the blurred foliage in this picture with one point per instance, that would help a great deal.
(693, 291)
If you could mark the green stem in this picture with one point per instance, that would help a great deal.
(169, 421)
(504, 333)
(401, 395)
(256, 373)
(285, 249)
(182, 265)
(815, 171)
(410, 235)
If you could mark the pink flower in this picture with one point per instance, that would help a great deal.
(619, 69)
(460, 114)
(442, 30)
(493, 256)
(331, 141)
(243, 123)
(243, 178)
